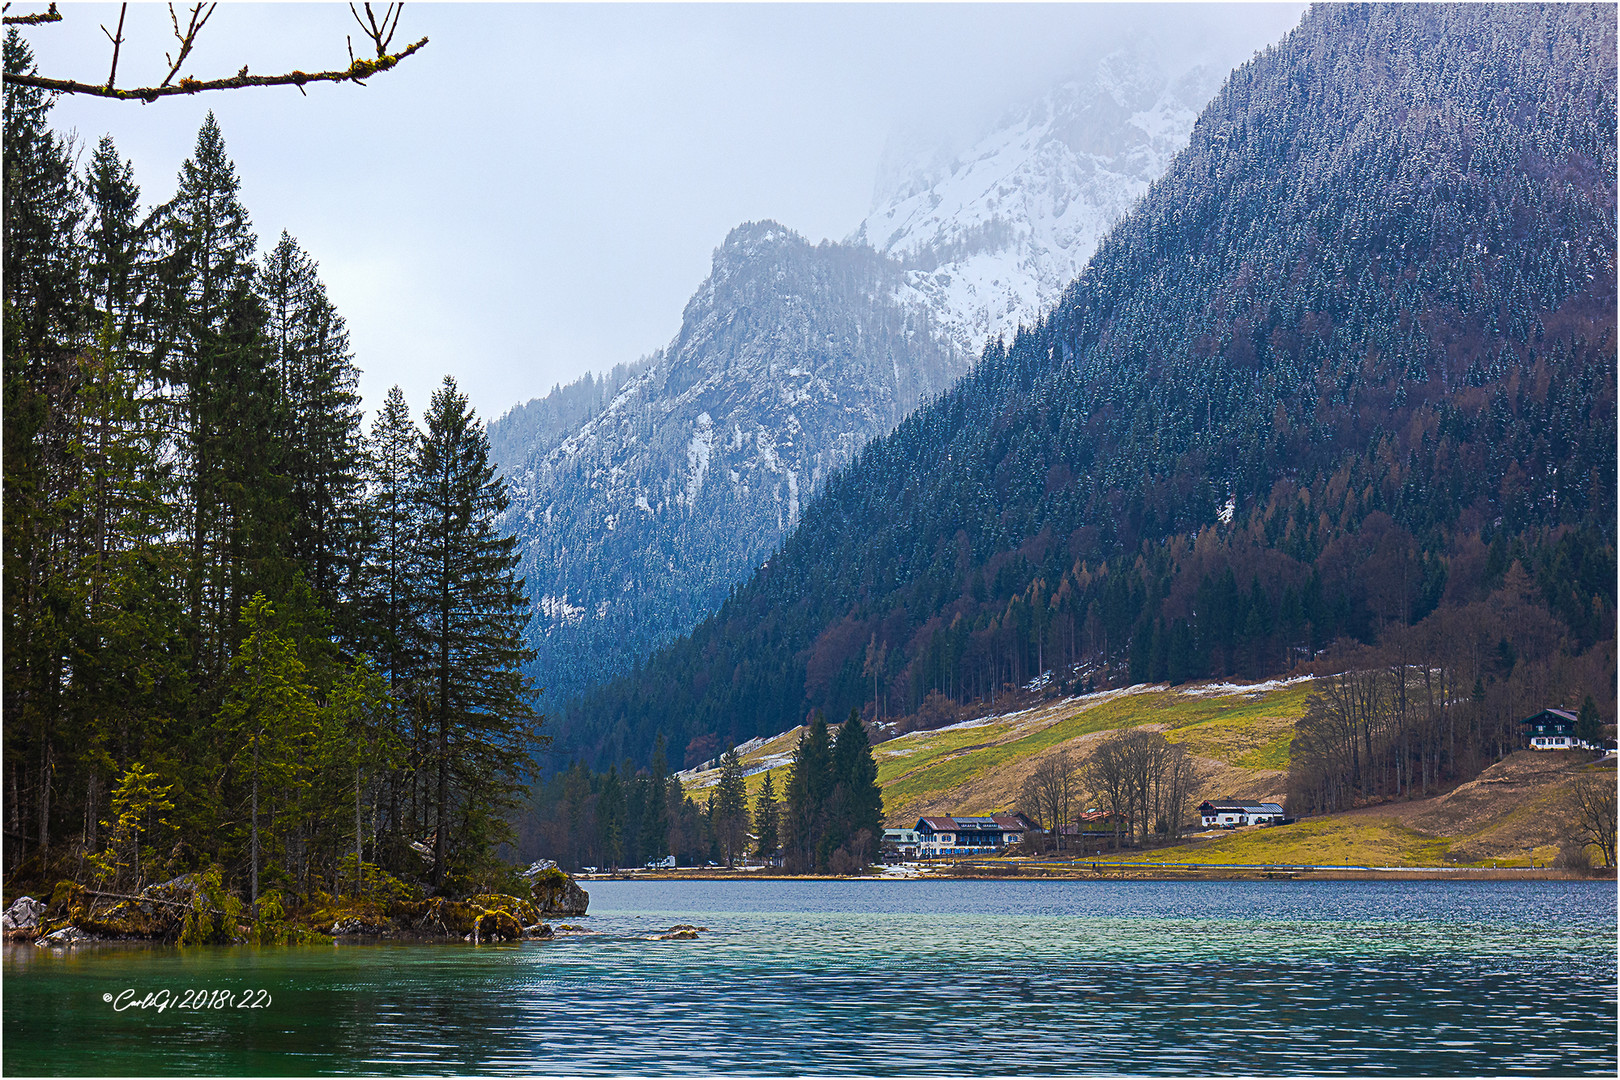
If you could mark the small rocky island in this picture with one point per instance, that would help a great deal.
(196, 909)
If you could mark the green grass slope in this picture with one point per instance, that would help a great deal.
(1239, 734)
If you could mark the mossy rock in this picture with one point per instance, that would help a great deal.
(68, 897)
(361, 923)
(498, 926)
(133, 919)
(523, 910)
(450, 916)
(493, 916)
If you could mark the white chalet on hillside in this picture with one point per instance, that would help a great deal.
(1229, 814)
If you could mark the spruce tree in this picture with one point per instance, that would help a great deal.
(385, 617)
(809, 788)
(857, 800)
(655, 823)
(767, 819)
(319, 416)
(390, 517)
(730, 817)
(116, 242)
(43, 213)
(42, 330)
(210, 351)
(470, 649)
(610, 819)
(267, 718)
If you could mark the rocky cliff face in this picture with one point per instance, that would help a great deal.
(790, 357)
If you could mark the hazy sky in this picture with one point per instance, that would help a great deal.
(538, 191)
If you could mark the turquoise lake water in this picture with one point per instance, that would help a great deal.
(955, 978)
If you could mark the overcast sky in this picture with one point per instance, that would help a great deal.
(538, 191)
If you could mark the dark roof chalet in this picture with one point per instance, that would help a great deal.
(1557, 719)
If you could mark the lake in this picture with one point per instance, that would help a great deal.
(884, 977)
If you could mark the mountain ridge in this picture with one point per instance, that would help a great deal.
(1348, 366)
(635, 524)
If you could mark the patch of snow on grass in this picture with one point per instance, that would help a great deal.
(1247, 689)
(767, 763)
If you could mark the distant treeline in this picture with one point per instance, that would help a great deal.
(238, 632)
(828, 817)
(1347, 374)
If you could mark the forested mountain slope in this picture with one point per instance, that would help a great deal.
(638, 522)
(533, 428)
(1347, 369)
(970, 246)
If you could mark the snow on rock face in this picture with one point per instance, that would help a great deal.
(789, 359)
(992, 236)
(698, 453)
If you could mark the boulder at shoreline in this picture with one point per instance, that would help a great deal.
(555, 893)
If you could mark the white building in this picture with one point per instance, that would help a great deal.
(1230, 814)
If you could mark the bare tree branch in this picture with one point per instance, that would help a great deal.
(188, 39)
(381, 33)
(49, 16)
(360, 69)
(117, 40)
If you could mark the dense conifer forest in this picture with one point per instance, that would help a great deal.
(241, 636)
(1339, 392)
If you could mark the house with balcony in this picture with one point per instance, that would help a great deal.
(1553, 729)
(969, 835)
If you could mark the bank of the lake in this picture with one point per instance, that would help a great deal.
(959, 977)
(1135, 870)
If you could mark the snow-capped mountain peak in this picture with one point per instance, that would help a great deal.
(992, 235)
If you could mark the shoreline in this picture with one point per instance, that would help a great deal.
(1119, 871)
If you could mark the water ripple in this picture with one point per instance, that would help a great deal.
(902, 978)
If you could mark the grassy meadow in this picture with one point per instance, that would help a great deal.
(1240, 733)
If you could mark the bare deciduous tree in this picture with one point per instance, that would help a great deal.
(1049, 793)
(1592, 813)
(379, 30)
(1144, 781)
(1107, 774)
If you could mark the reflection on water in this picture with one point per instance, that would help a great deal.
(891, 977)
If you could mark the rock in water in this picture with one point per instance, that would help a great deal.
(21, 919)
(555, 893)
(68, 935)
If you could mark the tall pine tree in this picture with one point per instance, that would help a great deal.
(731, 807)
(856, 818)
(808, 791)
(767, 820)
(655, 821)
(319, 416)
(211, 353)
(470, 646)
